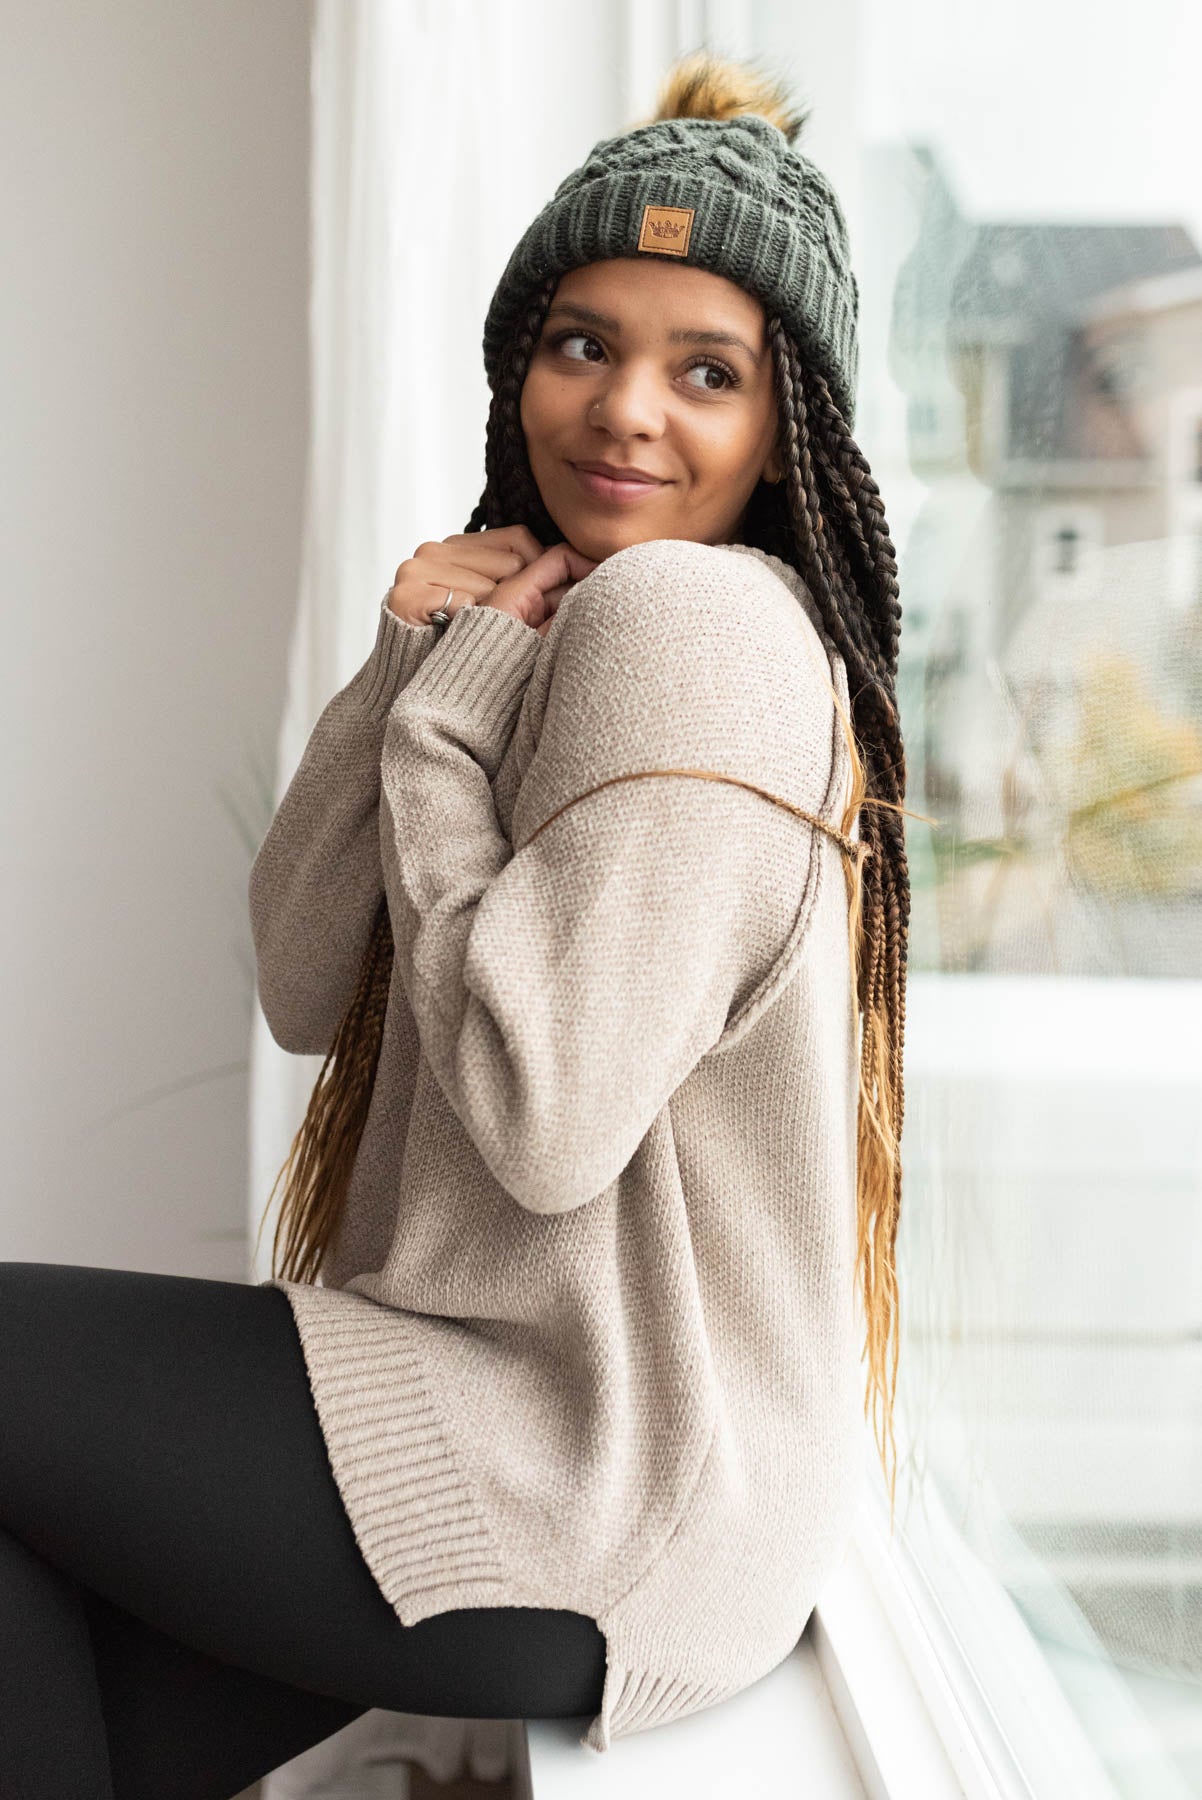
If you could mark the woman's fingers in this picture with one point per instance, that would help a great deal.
(441, 572)
(460, 570)
(435, 562)
(535, 593)
(568, 564)
(505, 567)
(510, 537)
(504, 550)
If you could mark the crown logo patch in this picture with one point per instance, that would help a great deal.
(666, 229)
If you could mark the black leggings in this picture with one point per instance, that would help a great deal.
(183, 1605)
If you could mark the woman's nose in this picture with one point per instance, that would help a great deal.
(628, 405)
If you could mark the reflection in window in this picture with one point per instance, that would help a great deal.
(1066, 549)
(1050, 1251)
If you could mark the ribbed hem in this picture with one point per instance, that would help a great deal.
(634, 1700)
(482, 666)
(416, 1522)
(397, 654)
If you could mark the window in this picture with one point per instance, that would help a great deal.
(1066, 550)
(1107, 380)
(1050, 1251)
(1067, 556)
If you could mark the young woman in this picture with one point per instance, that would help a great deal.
(591, 889)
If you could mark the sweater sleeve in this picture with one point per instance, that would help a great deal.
(564, 988)
(316, 881)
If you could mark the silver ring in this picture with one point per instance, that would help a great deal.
(442, 617)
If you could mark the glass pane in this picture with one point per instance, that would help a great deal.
(1031, 403)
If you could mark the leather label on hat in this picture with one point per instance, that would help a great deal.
(666, 229)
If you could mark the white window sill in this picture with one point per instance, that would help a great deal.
(919, 1722)
(777, 1737)
(875, 1703)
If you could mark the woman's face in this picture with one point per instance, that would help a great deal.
(635, 368)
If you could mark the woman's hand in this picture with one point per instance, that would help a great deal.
(534, 593)
(469, 564)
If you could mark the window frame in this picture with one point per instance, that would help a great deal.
(915, 1713)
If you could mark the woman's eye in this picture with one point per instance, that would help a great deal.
(730, 379)
(566, 337)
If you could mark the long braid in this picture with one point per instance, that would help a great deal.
(317, 1171)
(863, 620)
(511, 492)
(827, 521)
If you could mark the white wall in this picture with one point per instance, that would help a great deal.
(153, 366)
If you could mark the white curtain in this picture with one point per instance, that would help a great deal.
(440, 128)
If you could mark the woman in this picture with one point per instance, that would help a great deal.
(591, 889)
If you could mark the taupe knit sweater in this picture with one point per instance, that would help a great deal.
(589, 1336)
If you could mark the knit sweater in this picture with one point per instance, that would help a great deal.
(587, 1337)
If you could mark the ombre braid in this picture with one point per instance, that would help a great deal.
(827, 521)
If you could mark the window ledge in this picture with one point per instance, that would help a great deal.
(876, 1702)
(886, 1687)
(779, 1733)
(919, 1723)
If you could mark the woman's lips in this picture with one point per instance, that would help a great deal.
(605, 487)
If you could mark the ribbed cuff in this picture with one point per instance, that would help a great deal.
(481, 667)
(397, 654)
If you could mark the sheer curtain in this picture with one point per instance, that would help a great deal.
(409, 151)
(438, 132)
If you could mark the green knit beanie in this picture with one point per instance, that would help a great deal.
(730, 195)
